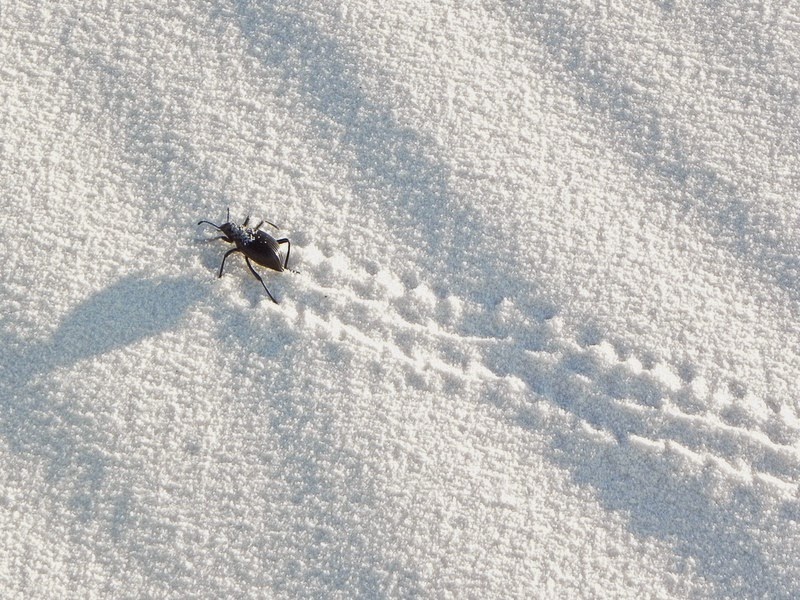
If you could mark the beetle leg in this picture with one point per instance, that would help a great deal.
(268, 223)
(227, 254)
(257, 276)
(257, 227)
(288, 249)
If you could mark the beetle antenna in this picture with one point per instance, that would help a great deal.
(209, 223)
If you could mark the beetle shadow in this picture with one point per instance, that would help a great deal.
(396, 161)
(38, 420)
(124, 313)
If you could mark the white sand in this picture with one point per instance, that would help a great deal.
(543, 342)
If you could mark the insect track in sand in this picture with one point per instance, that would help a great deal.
(525, 361)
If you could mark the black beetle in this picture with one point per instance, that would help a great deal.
(255, 244)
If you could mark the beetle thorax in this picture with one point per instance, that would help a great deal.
(238, 234)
